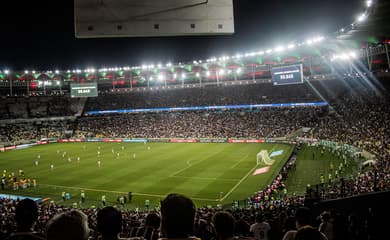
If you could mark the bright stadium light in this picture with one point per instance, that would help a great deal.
(160, 77)
(208, 73)
(362, 17)
(260, 53)
(168, 64)
(33, 71)
(174, 75)
(221, 72)
(197, 74)
(269, 51)
(183, 75)
(6, 71)
(369, 3)
(144, 67)
(57, 71)
(291, 46)
(238, 71)
(309, 42)
(279, 49)
(342, 30)
(159, 65)
(26, 72)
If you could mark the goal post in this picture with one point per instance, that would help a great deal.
(263, 157)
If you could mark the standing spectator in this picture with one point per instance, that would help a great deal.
(68, 225)
(260, 229)
(224, 224)
(177, 217)
(26, 215)
(326, 226)
(109, 223)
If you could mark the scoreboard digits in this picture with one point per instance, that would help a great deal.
(83, 90)
(284, 75)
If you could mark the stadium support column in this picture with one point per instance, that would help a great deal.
(387, 55)
(368, 58)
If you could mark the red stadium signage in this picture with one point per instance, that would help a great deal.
(42, 142)
(245, 140)
(70, 140)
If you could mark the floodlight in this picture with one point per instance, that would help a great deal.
(208, 73)
(197, 74)
(174, 75)
(362, 17)
(369, 3)
(57, 72)
(221, 72)
(26, 72)
(6, 71)
(291, 46)
(183, 75)
(238, 70)
(279, 49)
(33, 71)
(269, 51)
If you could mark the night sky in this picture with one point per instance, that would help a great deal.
(40, 34)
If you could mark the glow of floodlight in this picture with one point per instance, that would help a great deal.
(183, 75)
(26, 72)
(342, 30)
(144, 67)
(269, 51)
(221, 72)
(260, 53)
(151, 79)
(197, 74)
(238, 70)
(174, 75)
(238, 56)
(352, 54)
(279, 49)
(309, 42)
(159, 65)
(160, 77)
(369, 3)
(291, 46)
(208, 73)
(362, 17)
(200, 61)
(168, 64)
(6, 71)
(229, 71)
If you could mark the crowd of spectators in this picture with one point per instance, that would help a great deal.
(357, 116)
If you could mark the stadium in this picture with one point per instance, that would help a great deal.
(258, 134)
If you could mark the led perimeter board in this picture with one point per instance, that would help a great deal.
(284, 75)
(78, 90)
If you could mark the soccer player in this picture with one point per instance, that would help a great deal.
(148, 148)
(36, 162)
(134, 156)
(63, 154)
(117, 155)
(34, 183)
(98, 153)
(123, 147)
(82, 196)
(78, 159)
(52, 167)
(69, 159)
(98, 162)
(63, 196)
(104, 200)
(39, 156)
(147, 203)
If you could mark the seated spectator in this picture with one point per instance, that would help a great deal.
(177, 217)
(26, 215)
(260, 229)
(109, 223)
(68, 225)
(309, 233)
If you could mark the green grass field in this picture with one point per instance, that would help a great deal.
(309, 169)
(209, 173)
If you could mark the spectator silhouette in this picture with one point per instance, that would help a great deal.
(224, 224)
(68, 225)
(177, 217)
(26, 215)
(109, 223)
(149, 231)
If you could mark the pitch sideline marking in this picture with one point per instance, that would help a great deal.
(235, 165)
(239, 182)
(134, 193)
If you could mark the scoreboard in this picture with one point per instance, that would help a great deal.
(290, 74)
(78, 90)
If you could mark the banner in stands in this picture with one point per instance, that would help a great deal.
(158, 140)
(247, 106)
(71, 140)
(112, 140)
(25, 145)
(135, 140)
(174, 140)
(42, 142)
(213, 140)
(245, 140)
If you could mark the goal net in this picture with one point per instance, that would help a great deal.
(263, 157)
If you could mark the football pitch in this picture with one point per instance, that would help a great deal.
(209, 173)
